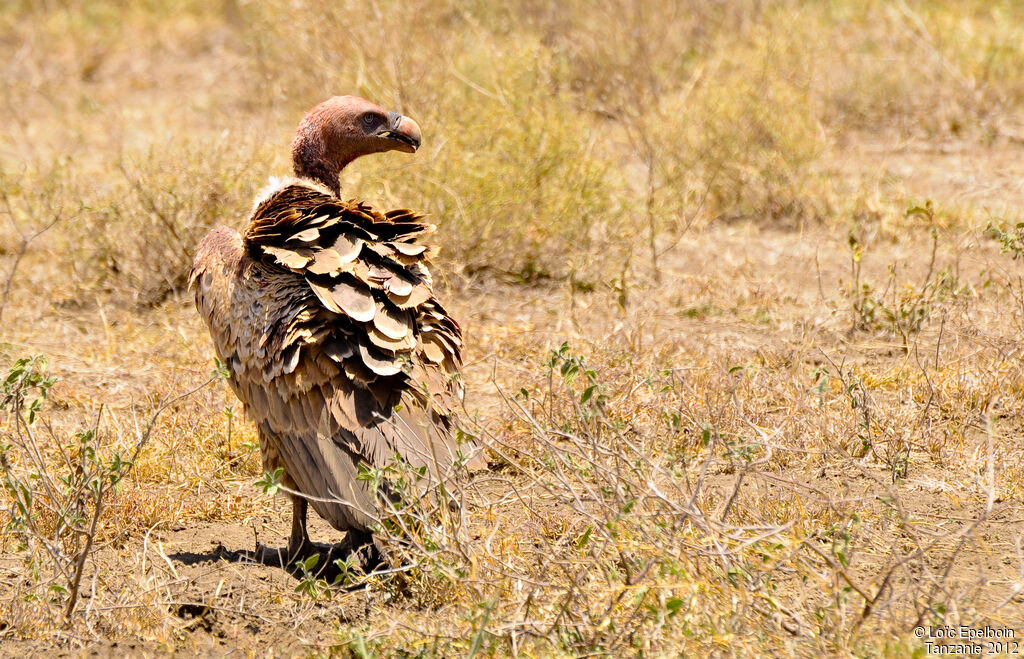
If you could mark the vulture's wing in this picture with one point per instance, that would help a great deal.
(351, 359)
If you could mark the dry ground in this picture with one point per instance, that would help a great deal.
(795, 429)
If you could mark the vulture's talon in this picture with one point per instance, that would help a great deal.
(300, 551)
(271, 556)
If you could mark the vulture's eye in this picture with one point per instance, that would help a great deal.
(369, 119)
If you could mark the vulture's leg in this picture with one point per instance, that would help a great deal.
(299, 540)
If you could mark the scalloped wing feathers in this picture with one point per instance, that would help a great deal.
(324, 312)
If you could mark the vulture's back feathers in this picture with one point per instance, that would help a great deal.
(324, 311)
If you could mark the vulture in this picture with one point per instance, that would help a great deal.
(324, 313)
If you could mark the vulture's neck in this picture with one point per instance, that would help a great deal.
(322, 173)
(311, 159)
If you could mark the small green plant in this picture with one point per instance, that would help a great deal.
(900, 306)
(591, 400)
(310, 585)
(270, 482)
(56, 489)
(1011, 241)
(401, 492)
(53, 513)
(349, 571)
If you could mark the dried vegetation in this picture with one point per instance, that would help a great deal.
(742, 296)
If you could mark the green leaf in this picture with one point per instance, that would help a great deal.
(221, 370)
(310, 563)
(271, 482)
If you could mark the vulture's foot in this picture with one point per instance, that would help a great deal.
(286, 557)
(356, 538)
(364, 547)
(342, 565)
(300, 548)
(273, 556)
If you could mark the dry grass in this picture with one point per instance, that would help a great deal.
(787, 414)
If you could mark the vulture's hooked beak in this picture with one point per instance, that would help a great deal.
(403, 130)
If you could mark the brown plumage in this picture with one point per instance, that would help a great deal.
(324, 313)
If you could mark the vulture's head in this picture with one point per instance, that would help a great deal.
(341, 129)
